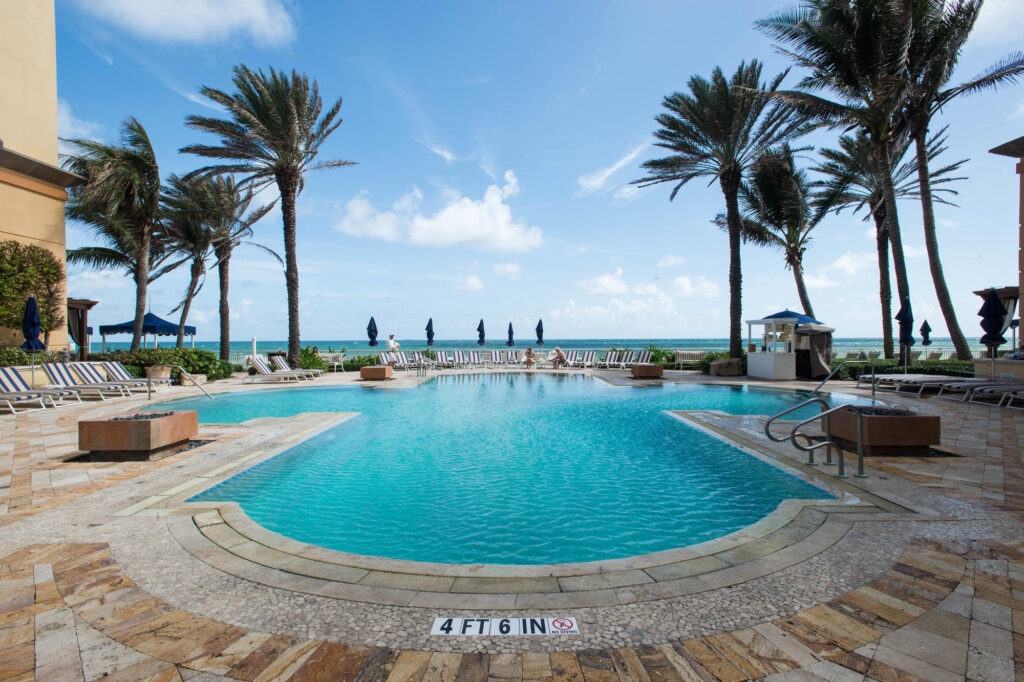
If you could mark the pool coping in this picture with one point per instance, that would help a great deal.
(225, 537)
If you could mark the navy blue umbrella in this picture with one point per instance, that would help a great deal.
(540, 332)
(992, 313)
(371, 331)
(430, 332)
(925, 331)
(510, 342)
(906, 319)
(480, 330)
(31, 327)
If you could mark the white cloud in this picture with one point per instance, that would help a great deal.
(1018, 112)
(671, 260)
(819, 282)
(610, 283)
(71, 127)
(485, 224)
(955, 223)
(440, 150)
(510, 270)
(852, 263)
(1000, 21)
(471, 283)
(362, 220)
(266, 22)
(650, 289)
(911, 251)
(597, 181)
(698, 285)
(626, 193)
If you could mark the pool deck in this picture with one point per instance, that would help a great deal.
(916, 572)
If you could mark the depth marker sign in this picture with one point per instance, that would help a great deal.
(501, 627)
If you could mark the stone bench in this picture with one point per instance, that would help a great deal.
(647, 371)
(375, 373)
(727, 367)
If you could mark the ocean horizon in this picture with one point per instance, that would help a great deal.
(362, 346)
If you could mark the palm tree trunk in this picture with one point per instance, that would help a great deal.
(141, 282)
(223, 267)
(288, 185)
(187, 303)
(730, 187)
(801, 287)
(884, 286)
(931, 243)
(892, 222)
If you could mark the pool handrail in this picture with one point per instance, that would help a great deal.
(844, 364)
(149, 381)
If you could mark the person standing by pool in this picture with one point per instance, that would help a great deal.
(392, 347)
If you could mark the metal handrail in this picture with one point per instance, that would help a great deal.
(844, 364)
(809, 449)
(149, 381)
(768, 424)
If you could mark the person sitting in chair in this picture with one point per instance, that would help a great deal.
(529, 358)
(559, 360)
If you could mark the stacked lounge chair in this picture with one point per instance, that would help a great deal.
(117, 371)
(96, 376)
(915, 384)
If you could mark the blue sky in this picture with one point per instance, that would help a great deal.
(495, 143)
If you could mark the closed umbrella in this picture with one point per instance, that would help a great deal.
(371, 331)
(31, 328)
(430, 332)
(925, 331)
(992, 313)
(906, 319)
(1013, 330)
(510, 342)
(540, 332)
(480, 331)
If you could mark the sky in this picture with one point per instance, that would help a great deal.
(495, 144)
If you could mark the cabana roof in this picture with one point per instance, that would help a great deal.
(785, 317)
(151, 324)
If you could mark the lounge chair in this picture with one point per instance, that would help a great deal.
(960, 391)
(611, 358)
(264, 373)
(851, 355)
(441, 359)
(421, 360)
(402, 360)
(644, 358)
(281, 363)
(93, 375)
(61, 376)
(9, 400)
(586, 359)
(1016, 394)
(13, 384)
(917, 385)
(571, 357)
(985, 395)
(915, 355)
(513, 357)
(935, 355)
(476, 359)
(459, 358)
(627, 359)
(117, 371)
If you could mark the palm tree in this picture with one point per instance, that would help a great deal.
(777, 211)
(717, 131)
(274, 135)
(851, 181)
(857, 51)
(209, 216)
(120, 200)
(941, 30)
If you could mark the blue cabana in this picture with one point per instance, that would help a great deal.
(151, 324)
(781, 355)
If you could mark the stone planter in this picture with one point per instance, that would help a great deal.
(647, 371)
(137, 433)
(159, 371)
(887, 431)
(184, 381)
(375, 373)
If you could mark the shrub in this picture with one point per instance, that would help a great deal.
(661, 356)
(12, 356)
(28, 269)
(193, 360)
(353, 363)
(951, 367)
(310, 359)
(704, 365)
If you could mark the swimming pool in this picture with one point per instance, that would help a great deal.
(506, 468)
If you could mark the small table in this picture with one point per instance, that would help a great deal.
(375, 373)
(647, 371)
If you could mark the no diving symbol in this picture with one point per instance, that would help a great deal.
(563, 624)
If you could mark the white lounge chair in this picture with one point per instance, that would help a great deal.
(282, 364)
(627, 359)
(994, 395)
(611, 359)
(644, 358)
(460, 358)
(117, 372)
(441, 359)
(94, 375)
(264, 373)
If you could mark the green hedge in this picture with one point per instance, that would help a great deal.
(12, 356)
(958, 368)
(193, 360)
(310, 359)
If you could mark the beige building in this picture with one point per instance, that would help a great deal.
(32, 185)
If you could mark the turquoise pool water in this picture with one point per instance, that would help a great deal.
(506, 468)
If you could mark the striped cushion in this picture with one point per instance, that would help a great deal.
(12, 381)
